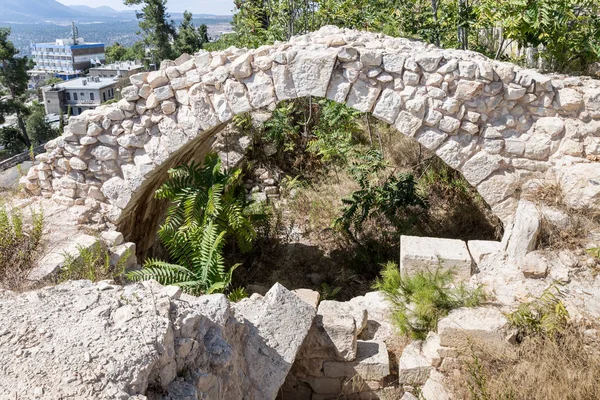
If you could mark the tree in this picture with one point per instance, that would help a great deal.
(189, 38)
(158, 31)
(37, 126)
(116, 52)
(13, 77)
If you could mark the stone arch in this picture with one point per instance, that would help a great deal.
(501, 126)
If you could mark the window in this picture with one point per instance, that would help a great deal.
(68, 96)
(82, 95)
(103, 96)
(92, 96)
(74, 96)
(79, 110)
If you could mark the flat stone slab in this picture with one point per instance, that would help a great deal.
(419, 254)
(465, 326)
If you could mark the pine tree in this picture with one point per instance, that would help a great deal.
(189, 38)
(13, 77)
(158, 31)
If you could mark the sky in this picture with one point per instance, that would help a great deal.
(219, 7)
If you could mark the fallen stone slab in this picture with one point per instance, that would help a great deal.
(420, 254)
(434, 388)
(481, 326)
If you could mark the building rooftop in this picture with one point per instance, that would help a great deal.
(85, 83)
(123, 65)
(67, 42)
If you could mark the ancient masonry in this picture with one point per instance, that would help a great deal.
(503, 127)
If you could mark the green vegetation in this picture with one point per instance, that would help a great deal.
(544, 316)
(207, 208)
(190, 39)
(553, 358)
(92, 263)
(390, 197)
(19, 245)
(419, 301)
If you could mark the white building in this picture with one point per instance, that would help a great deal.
(81, 94)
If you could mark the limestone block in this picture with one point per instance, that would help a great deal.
(112, 238)
(550, 126)
(77, 163)
(431, 138)
(163, 93)
(333, 336)
(283, 81)
(311, 297)
(482, 325)
(413, 366)
(104, 153)
(522, 237)
(393, 63)
(123, 255)
(449, 124)
(338, 88)
(115, 114)
(363, 95)
(311, 71)
(505, 71)
(130, 93)
(407, 124)
(480, 166)
(117, 191)
(78, 125)
(372, 363)
(157, 78)
(569, 99)
(237, 96)
(241, 67)
(260, 90)
(419, 254)
(429, 61)
(482, 248)
(388, 106)
(371, 56)
(580, 184)
(139, 79)
(432, 350)
(468, 90)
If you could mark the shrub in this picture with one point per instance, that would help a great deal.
(19, 245)
(92, 263)
(208, 207)
(389, 197)
(420, 300)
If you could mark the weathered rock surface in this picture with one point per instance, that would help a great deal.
(480, 326)
(420, 254)
(102, 341)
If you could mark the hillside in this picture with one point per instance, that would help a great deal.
(36, 10)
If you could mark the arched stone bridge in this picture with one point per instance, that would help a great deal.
(503, 127)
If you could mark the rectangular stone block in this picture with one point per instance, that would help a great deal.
(372, 363)
(419, 254)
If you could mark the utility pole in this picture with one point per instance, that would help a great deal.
(75, 32)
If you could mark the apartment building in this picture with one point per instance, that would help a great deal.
(67, 58)
(80, 94)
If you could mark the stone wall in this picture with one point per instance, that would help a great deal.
(503, 127)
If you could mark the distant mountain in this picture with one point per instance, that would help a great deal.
(35, 10)
(102, 11)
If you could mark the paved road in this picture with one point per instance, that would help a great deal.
(10, 177)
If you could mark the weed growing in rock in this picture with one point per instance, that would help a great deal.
(19, 245)
(208, 207)
(92, 263)
(419, 301)
(553, 359)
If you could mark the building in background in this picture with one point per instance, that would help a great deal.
(81, 94)
(67, 58)
(122, 69)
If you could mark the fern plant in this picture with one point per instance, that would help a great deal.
(207, 207)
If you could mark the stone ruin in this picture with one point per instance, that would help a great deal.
(507, 130)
